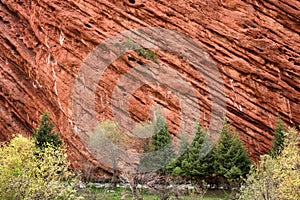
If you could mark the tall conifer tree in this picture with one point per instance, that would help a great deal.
(161, 148)
(230, 157)
(193, 164)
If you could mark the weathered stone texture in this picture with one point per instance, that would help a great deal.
(255, 44)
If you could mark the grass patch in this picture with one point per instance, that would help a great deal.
(125, 193)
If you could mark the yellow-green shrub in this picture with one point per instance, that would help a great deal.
(28, 172)
(287, 168)
(276, 178)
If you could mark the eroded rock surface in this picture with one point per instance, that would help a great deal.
(255, 45)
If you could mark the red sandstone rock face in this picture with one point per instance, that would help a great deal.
(255, 45)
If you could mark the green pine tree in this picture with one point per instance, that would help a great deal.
(230, 157)
(161, 147)
(44, 134)
(174, 167)
(193, 164)
(279, 136)
(183, 145)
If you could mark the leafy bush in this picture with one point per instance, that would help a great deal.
(104, 141)
(28, 172)
(148, 54)
(276, 177)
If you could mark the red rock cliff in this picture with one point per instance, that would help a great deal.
(255, 45)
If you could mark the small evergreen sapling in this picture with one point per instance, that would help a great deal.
(279, 136)
(44, 134)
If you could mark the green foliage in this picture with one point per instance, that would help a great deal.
(28, 172)
(287, 170)
(174, 167)
(230, 157)
(276, 177)
(177, 171)
(44, 134)
(192, 163)
(161, 137)
(183, 146)
(279, 135)
(124, 193)
(161, 146)
(147, 54)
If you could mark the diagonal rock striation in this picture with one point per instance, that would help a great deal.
(255, 45)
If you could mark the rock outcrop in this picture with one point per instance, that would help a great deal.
(255, 45)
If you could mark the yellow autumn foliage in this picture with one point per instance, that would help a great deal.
(28, 172)
(287, 168)
(276, 178)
